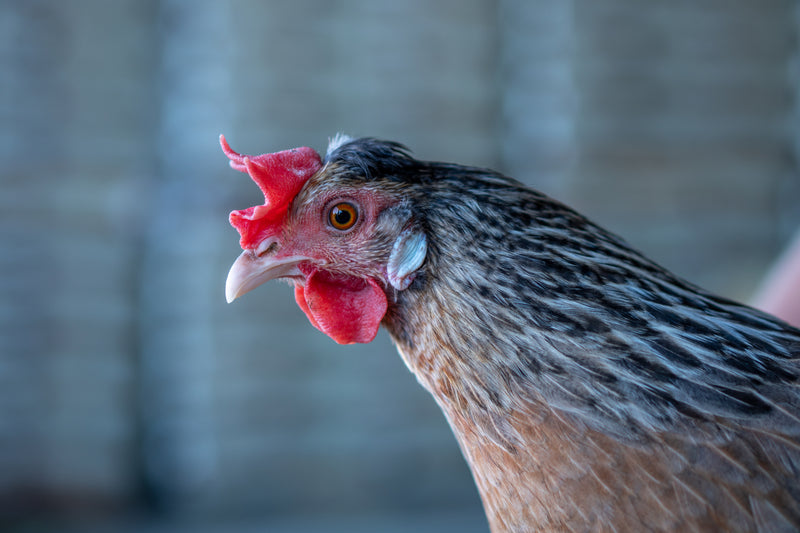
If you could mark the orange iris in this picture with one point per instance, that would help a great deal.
(343, 216)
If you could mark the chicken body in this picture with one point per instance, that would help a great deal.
(589, 389)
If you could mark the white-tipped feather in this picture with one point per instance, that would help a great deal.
(338, 140)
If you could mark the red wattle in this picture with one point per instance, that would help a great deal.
(300, 298)
(346, 308)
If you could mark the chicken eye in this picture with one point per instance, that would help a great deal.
(343, 216)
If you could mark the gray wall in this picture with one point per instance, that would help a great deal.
(127, 383)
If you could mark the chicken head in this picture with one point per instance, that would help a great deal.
(343, 245)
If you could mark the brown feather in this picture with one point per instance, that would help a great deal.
(589, 388)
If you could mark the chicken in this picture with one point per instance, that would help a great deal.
(589, 388)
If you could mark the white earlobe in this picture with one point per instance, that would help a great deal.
(408, 254)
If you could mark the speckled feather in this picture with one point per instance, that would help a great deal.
(589, 388)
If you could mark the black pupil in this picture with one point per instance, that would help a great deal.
(341, 216)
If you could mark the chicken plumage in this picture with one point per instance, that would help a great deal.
(588, 387)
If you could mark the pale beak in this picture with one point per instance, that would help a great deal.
(251, 270)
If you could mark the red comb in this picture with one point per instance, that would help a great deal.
(280, 176)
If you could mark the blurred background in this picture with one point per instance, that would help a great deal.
(133, 398)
